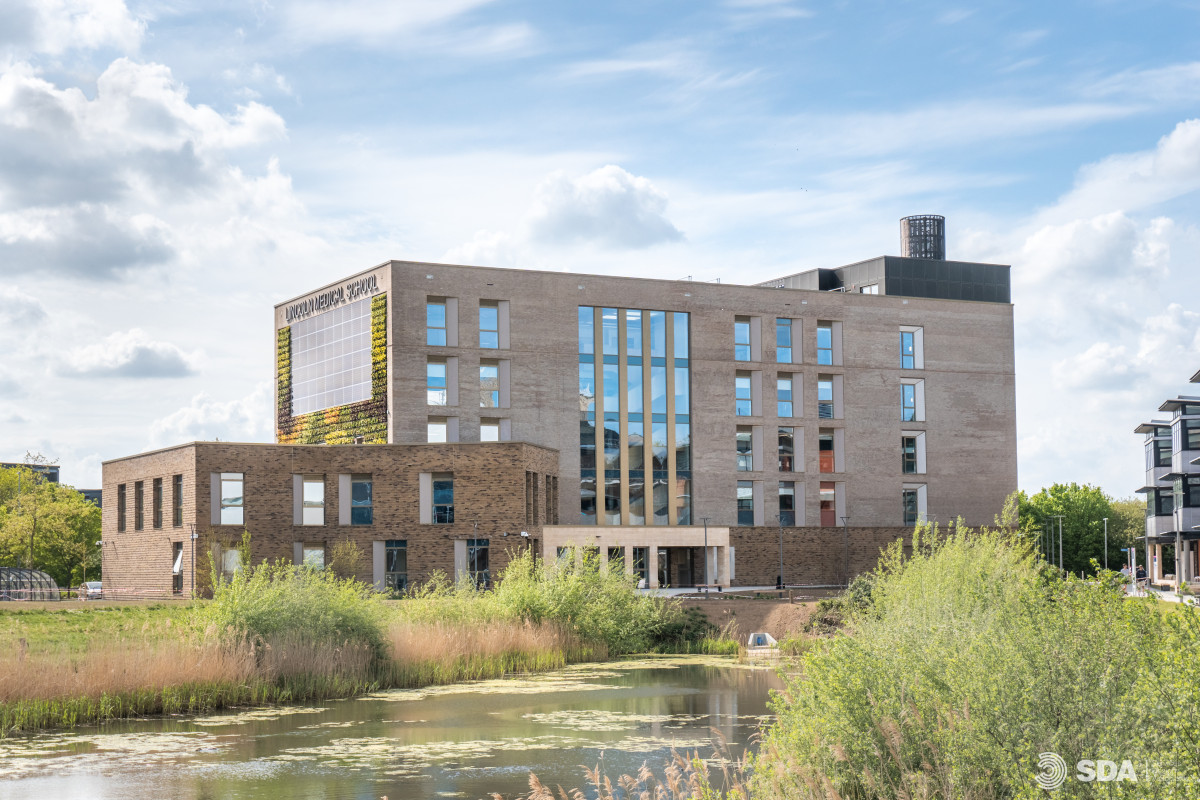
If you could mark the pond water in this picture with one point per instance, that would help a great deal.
(464, 741)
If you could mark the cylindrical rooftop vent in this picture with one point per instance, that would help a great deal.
(923, 236)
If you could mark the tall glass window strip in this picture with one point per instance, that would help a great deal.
(745, 502)
(609, 335)
(139, 504)
(443, 498)
(633, 385)
(362, 503)
(825, 458)
(587, 330)
(787, 503)
(658, 334)
(120, 508)
(908, 402)
(783, 392)
(331, 358)
(742, 398)
(395, 574)
(478, 569)
(633, 333)
(745, 449)
(232, 502)
(787, 449)
(683, 399)
(824, 344)
(783, 341)
(828, 504)
(612, 389)
(435, 383)
(489, 325)
(908, 352)
(908, 500)
(157, 503)
(489, 385)
(313, 500)
(177, 501)
(825, 398)
(435, 323)
(741, 338)
(908, 455)
(658, 389)
(680, 321)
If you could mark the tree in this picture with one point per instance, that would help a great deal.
(1083, 509)
(48, 526)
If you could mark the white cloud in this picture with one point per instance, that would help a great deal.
(608, 207)
(259, 77)
(1176, 83)
(20, 310)
(204, 419)
(132, 354)
(53, 27)
(419, 24)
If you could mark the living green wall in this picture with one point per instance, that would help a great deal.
(343, 424)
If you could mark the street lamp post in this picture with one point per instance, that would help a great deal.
(1106, 544)
(779, 519)
(192, 528)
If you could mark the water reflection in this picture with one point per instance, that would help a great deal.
(465, 740)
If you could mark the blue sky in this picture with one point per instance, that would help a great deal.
(170, 170)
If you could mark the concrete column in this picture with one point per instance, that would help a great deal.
(721, 555)
(652, 566)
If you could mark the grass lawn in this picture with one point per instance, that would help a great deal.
(69, 628)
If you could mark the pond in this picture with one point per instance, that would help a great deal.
(465, 740)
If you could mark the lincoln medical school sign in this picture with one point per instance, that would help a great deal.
(354, 290)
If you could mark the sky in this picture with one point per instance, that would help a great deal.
(171, 170)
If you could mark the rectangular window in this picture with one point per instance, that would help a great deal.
(489, 430)
(587, 330)
(609, 335)
(177, 501)
(741, 338)
(908, 402)
(436, 383)
(743, 398)
(633, 387)
(783, 341)
(633, 333)
(783, 390)
(477, 562)
(232, 502)
(824, 343)
(395, 565)
(612, 388)
(139, 505)
(1162, 501)
(680, 321)
(362, 504)
(156, 503)
(436, 430)
(616, 560)
(908, 455)
(443, 498)
(587, 496)
(787, 449)
(745, 449)
(787, 503)
(1162, 448)
(435, 323)
(869, 289)
(489, 324)
(658, 389)
(683, 397)
(908, 498)
(908, 354)
(826, 462)
(825, 397)
(828, 504)
(658, 334)
(313, 500)
(745, 502)
(641, 565)
(1190, 434)
(177, 568)
(489, 384)
(120, 507)
(313, 556)
(587, 387)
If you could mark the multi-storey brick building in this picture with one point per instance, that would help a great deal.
(792, 427)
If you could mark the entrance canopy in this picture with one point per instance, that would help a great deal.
(671, 555)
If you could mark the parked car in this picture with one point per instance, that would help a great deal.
(91, 590)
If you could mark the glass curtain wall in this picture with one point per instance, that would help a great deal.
(634, 417)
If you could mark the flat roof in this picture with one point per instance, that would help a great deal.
(1172, 405)
(1149, 427)
(326, 446)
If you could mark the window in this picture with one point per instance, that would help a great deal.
(869, 289)
(824, 343)
(231, 562)
(1158, 453)
(313, 556)
(362, 505)
(787, 503)
(912, 401)
(828, 504)
(1189, 434)
(489, 384)
(313, 500)
(741, 338)
(436, 430)
(587, 330)
(826, 460)
(177, 501)
(1187, 491)
(156, 501)
(1162, 502)
(783, 341)
(743, 399)
(435, 323)
(745, 502)
(139, 505)
(784, 392)
(787, 449)
(177, 568)
(489, 324)
(489, 429)
(609, 335)
(616, 560)
(825, 397)
(633, 333)
(641, 565)
(395, 565)
(908, 499)
(436, 383)
(908, 455)
(443, 498)
(745, 449)
(231, 499)
(120, 507)
(477, 562)
(331, 358)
